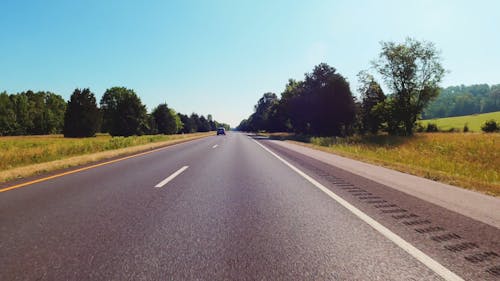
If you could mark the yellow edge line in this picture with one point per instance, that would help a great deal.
(89, 167)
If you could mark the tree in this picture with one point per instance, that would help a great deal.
(152, 126)
(371, 95)
(276, 120)
(263, 109)
(495, 97)
(37, 112)
(82, 115)
(204, 125)
(22, 108)
(123, 112)
(289, 106)
(188, 126)
(195, 119)
(323, 104)
(388, 112)
(412, 71)
(464, 100)
(55, 108)
(213, 124)
(33, 113)
(8, 125)
(166, 120)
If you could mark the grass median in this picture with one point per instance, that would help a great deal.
(25, 156)
(469, 160)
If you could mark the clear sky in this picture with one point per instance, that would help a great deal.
(219, 57)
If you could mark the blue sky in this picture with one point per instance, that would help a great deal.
(219, 57)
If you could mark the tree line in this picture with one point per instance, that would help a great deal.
(120, 113)
(323, 104)
(464, 100)
(31, 113)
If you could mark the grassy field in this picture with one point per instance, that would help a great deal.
(27, 155)
(474, 122)
(469, 160)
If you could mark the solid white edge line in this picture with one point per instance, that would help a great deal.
(215, 146)
(171, 177)
(410, 249)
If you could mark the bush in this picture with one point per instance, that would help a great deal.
(324, 141)
(431, 128)
(466, 128)
(490, 126)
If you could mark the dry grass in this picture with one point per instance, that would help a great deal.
(31, 155)
(468, 160)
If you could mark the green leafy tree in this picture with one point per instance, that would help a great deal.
(195, 119)
(464, 100)
(188, 125)
(8, 124)
(371, 95)
(213, 124)
(123, 112)
(82, 115)
(412, 71)
(263, 110)
(244, 126)
(37, 113)
(33, 113)
(495, 96)
(152, 126)
(204, 125)
(22, 108)
(386, 111)
(277, 120)
(55, 108)
(324, 105)
(289, 106)
(166, 120)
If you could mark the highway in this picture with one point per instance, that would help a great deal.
(234, 207)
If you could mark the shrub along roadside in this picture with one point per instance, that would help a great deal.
(490, 126)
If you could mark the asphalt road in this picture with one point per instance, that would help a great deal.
(231, 211)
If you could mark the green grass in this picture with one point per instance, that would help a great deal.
(469, 160)
(27, 150)
(474, 122)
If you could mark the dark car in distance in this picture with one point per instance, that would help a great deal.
(221, 131)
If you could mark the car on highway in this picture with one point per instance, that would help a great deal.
(221, 131)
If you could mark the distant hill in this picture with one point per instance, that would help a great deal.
(474, 121)
(464, 100)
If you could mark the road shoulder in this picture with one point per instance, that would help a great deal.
(472, 204)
